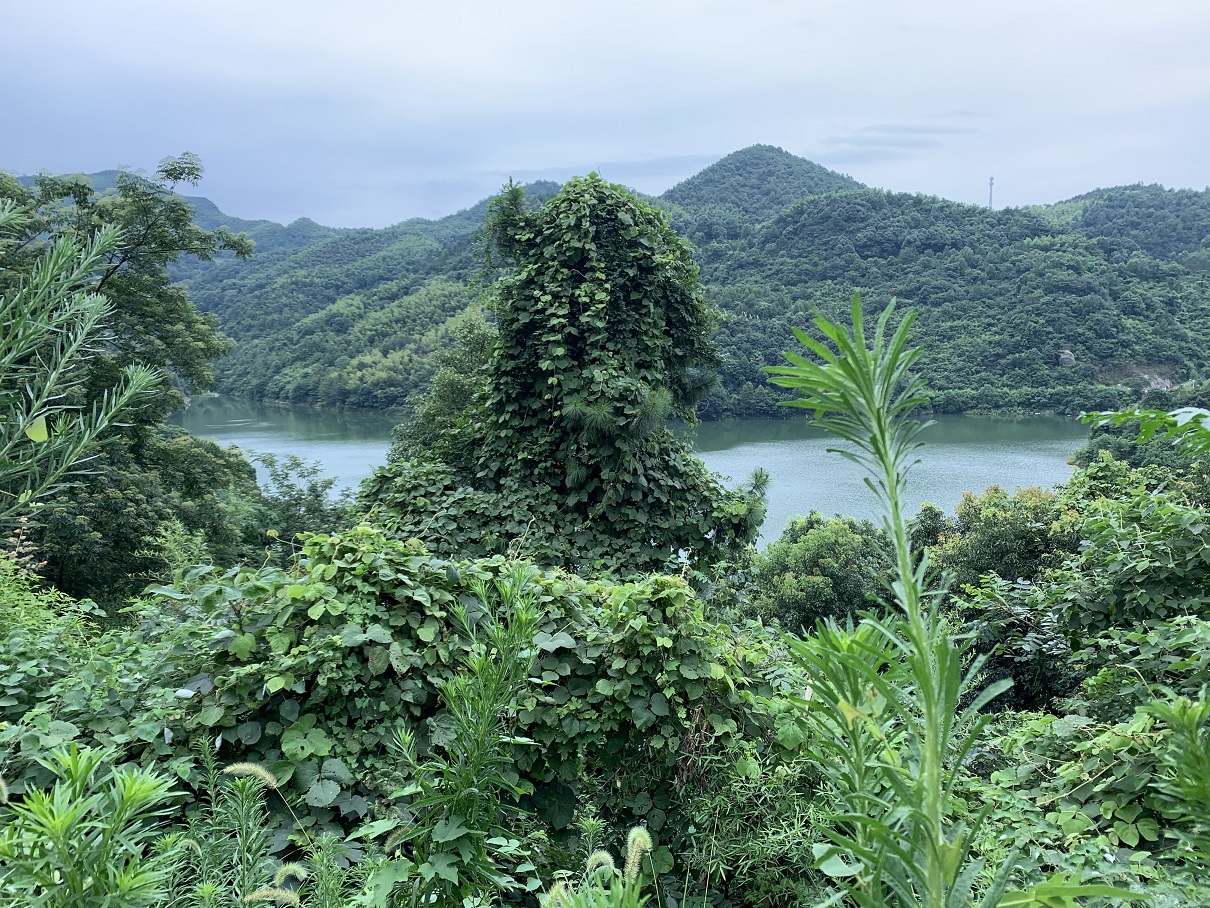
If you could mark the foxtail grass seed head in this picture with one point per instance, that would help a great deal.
(295, 872)
(638, 843)
(252, 770)
(3, 791)
(597, 861)
(558, 897)
(394, 839)
(272, 894)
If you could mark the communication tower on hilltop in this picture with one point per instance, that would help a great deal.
(991, 181)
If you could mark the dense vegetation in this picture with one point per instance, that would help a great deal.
(92, 320)
(340, 318)
(472, 690)
(563, 454)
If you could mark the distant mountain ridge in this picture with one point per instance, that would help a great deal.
(1117, 277)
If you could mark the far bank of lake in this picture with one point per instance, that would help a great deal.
(962, 453)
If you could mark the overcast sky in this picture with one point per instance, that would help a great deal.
(367, 112)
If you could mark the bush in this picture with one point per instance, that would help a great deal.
(313, 671)
(820, 568)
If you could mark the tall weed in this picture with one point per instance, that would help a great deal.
(895, 701)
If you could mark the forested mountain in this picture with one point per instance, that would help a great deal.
(1067, 307)
(1012, 313)
(341, 318)
(758, 182)
(1163, 222)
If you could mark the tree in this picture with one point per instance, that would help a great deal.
(50, 328)
(603, 334)
(820, 567)
(152, 321)
(94, 539)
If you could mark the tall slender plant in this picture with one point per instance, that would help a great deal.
(894, 700)
(462, 794)
(50, 327)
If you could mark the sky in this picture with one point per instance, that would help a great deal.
(363, 113)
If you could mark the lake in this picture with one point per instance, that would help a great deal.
(962, 453)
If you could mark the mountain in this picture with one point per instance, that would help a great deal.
(1162, 222)
(1074, 306)
(1071, 307)
(1012, 314)
(758, 182)
(341, 318)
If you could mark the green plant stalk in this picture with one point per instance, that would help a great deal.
(865, 395)
(908, 840)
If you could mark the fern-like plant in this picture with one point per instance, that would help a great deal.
(226, 856)
(1184, 779)
(460, 794)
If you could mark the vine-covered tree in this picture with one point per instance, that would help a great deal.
(603, 334)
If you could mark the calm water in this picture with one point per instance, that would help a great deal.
(961, 454)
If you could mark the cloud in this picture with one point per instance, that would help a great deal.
(887, 142)
(368, 112)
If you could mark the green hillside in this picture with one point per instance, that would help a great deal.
(758, 182)
(1162, 222)
(1067, 307)
(1000, 295)
(340, 318)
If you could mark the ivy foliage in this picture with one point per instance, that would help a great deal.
(314, 671)
(603, 334)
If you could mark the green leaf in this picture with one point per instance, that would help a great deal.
(211, 715)
(790, 734)
(336, 769)
(379, 659)
(375, 828)
(449, 830)
(440, 865)
(1057, 892)
(829, 861)
(385, 878)
(549, 643)
(747, 768)
(322, 793)
(243, 646)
